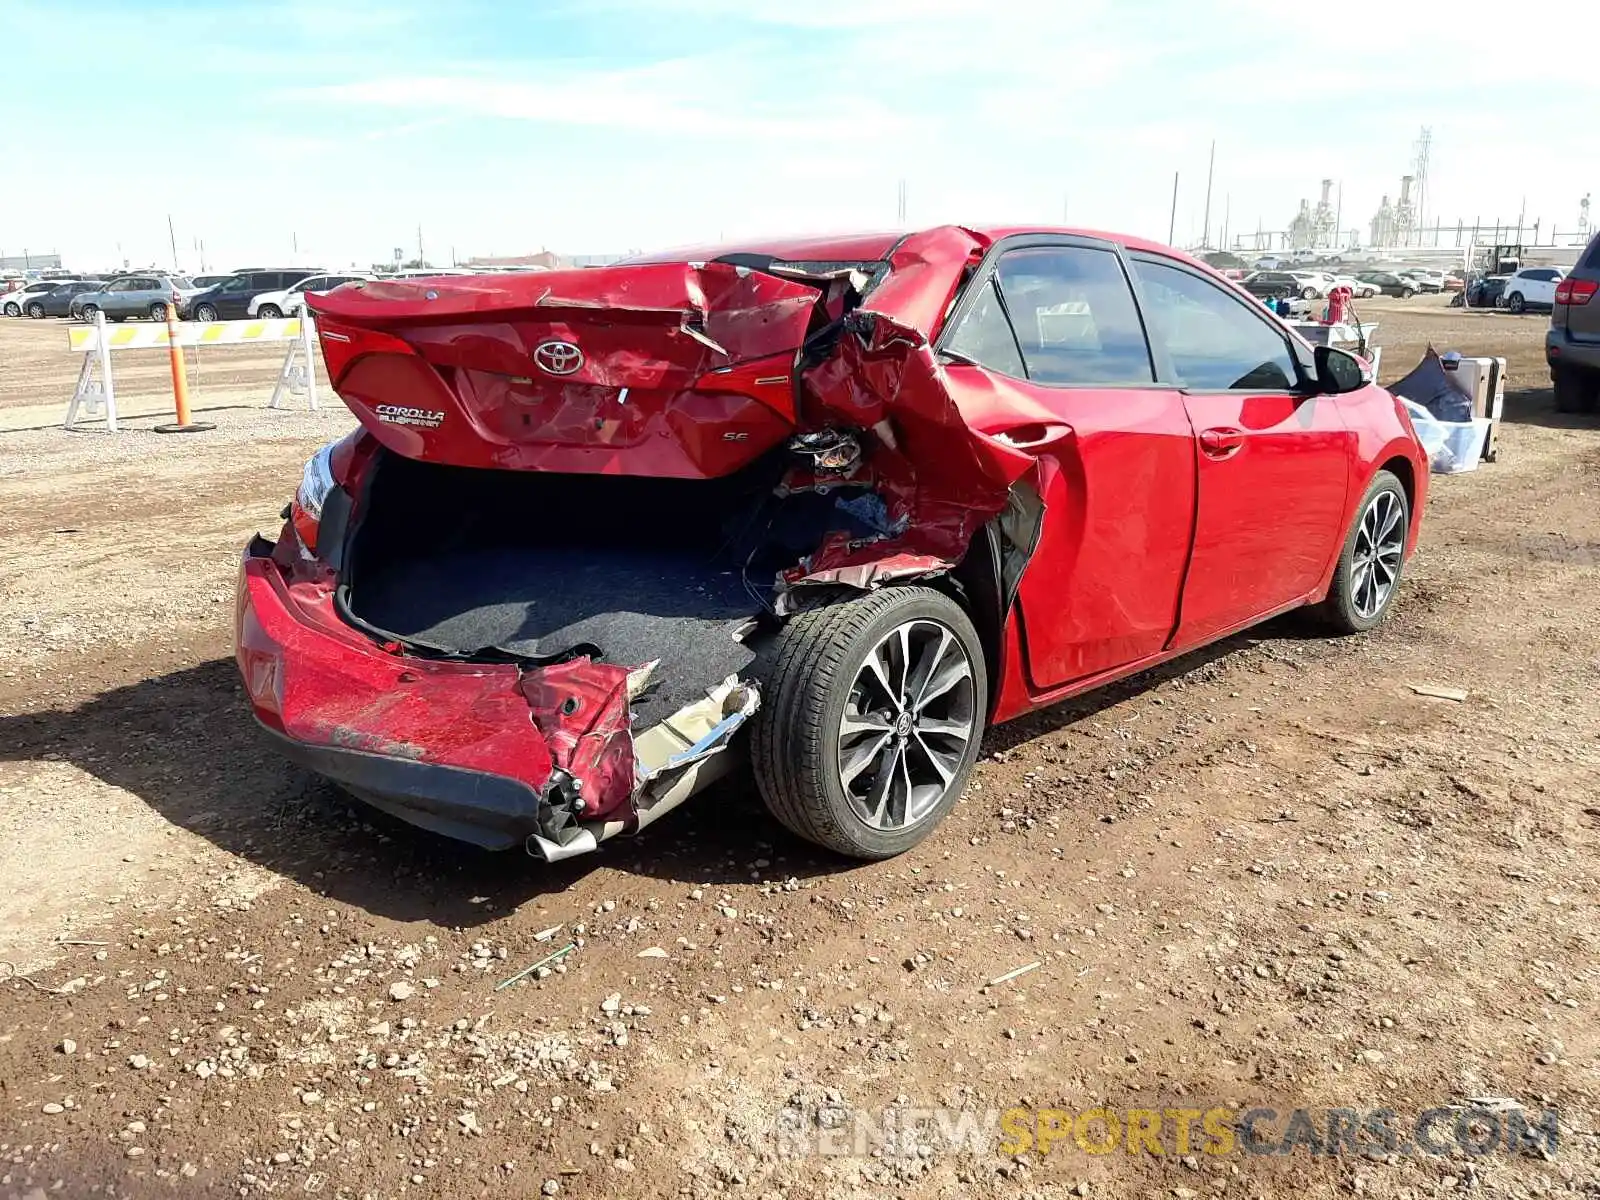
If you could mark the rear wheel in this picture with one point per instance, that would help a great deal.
(1368, 574)
(1308, 293)
(1516, 303)
(871, 719)
(1576, 391)
(158, 312)
(36, 311)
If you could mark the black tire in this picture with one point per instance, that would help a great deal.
(13, 309)
(205, 312)
(813, 667)
(1407, 293)
(1516, 303)
(269, 312)
(1339, 611)
(87, 312)
(1576, 391)
(158, 312)
(36, 311)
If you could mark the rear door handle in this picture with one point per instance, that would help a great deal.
(1221, 443)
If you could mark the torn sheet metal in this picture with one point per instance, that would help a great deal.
(864, 566)
(674, 758)
(581, 708)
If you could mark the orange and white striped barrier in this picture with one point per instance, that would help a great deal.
(95, 394)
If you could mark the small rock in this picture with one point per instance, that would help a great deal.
(68, 1046)
(54, 1108)
(401, 991)
(730, 912)
(138, 1062)
(611, 1003)
(648, 952)
(550, 1187)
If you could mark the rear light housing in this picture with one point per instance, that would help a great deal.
(1576, 292)
(335, 465)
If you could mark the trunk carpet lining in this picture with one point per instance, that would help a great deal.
(634, 605)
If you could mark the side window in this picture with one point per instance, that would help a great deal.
(145, 285)
(1216, 341)
(984, 335)
(1074, 316)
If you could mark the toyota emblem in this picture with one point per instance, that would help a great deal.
(557, 358)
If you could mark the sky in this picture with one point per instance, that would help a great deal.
(321, 132)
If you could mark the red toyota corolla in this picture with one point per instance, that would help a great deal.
(834, 505)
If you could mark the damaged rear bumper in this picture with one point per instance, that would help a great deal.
(494, 754)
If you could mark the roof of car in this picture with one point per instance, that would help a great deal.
(865, 247)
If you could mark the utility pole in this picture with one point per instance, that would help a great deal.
(1211, 168)
(900, 217)
(1172, 222)
(1063, 208)
(421, 258)
(1227, 212)
(172, 238)
(1338, 218)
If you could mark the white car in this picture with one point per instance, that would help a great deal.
(289, 301)
(1361, 291)
(1315, 285)
(15, 302)
(1532, 287)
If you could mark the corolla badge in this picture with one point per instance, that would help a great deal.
(557, 358)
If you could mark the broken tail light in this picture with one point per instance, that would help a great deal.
(338, 464)
(1576, 292)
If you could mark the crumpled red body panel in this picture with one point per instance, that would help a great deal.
(940, 478)
(581, 708)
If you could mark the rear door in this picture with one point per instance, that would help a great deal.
(1274, 460)
(1051, 356)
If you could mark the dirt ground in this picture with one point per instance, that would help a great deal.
(1271, 874)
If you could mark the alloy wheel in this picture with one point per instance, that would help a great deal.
(908, 722)
(1375, 563)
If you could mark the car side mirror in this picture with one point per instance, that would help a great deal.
(1339, 371)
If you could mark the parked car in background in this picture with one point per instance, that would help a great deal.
(1533, 287)
(1226, 263)
(1572, 345)
(1426, 280)
(1389, 285)
(1358, 289)
(1269, 285)
(15, 302)
(1455, 281)
(206, 281)
(286, 302)
(230, 300)
(57, 302)
(1483, 291)
(1270, 262)
(502, 612)
(135, 296)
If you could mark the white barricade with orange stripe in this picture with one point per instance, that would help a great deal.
(96, 391)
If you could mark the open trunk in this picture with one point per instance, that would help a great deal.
(542, 568)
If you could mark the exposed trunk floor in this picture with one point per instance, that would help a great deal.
(631, 605)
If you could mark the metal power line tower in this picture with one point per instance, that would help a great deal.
(1420, 172)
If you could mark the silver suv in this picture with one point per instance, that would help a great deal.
(1572, 346)
(135, 296)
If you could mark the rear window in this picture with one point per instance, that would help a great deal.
(1591, 260)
